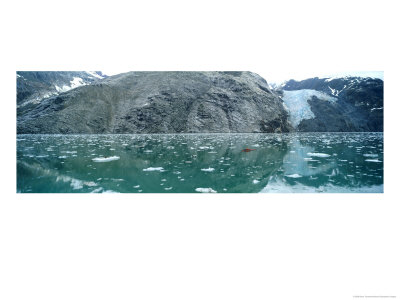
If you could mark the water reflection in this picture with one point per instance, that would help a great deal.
(186, 163)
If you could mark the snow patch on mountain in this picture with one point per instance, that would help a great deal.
(297, 104)
(94, 74)
(76, 81)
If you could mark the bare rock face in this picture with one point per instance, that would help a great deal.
(161, 102)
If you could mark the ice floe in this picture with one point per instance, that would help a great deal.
(208, 170)
(294, 176)
(376, 108)
(150, 169)
(205, 190)
(373, 160)
(318, 154)
(105, 159)
(370, 155)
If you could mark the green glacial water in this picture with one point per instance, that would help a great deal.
(195, 163)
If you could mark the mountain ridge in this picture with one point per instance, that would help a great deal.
(184, 102)
(161, 102)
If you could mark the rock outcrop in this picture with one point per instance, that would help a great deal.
(160, 102)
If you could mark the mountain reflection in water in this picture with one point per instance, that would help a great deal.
(191, 163)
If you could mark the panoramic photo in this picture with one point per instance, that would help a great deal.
(198, 132)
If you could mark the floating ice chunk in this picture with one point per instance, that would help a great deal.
(205, 190)
(161, 169)
(98, 190)
(373, 160)
(318, 154)
(76, 184)
(105, 159)
(137, 186)
(370, 155)
(208, 170)
(294, 176)
(168, 188)
(255, 181)
(148, 151)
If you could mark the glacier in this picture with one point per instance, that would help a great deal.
(296, 102)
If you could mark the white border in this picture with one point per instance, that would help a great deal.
(199, 246)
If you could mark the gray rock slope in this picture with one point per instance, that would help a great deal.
(32, 87)
(335, 104)
(161, 102)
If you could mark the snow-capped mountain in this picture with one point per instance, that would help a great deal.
(33, 87)
(161, 102)
(169, 102)
(334, 104)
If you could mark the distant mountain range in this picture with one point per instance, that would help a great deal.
(33, 87)
(334, 104)
(179, 102)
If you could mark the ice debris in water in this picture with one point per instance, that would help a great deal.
(205, 190)
(208, 170)
(76, 184)
(370, 155)
(161, 169)
(318, 154)
(294, 176)
(105, 159)
(255, 181)
(373, 160)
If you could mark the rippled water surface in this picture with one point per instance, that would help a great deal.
(196, 163)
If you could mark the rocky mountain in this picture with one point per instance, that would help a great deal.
(334, 104)
(151, 102)
(32, 87)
